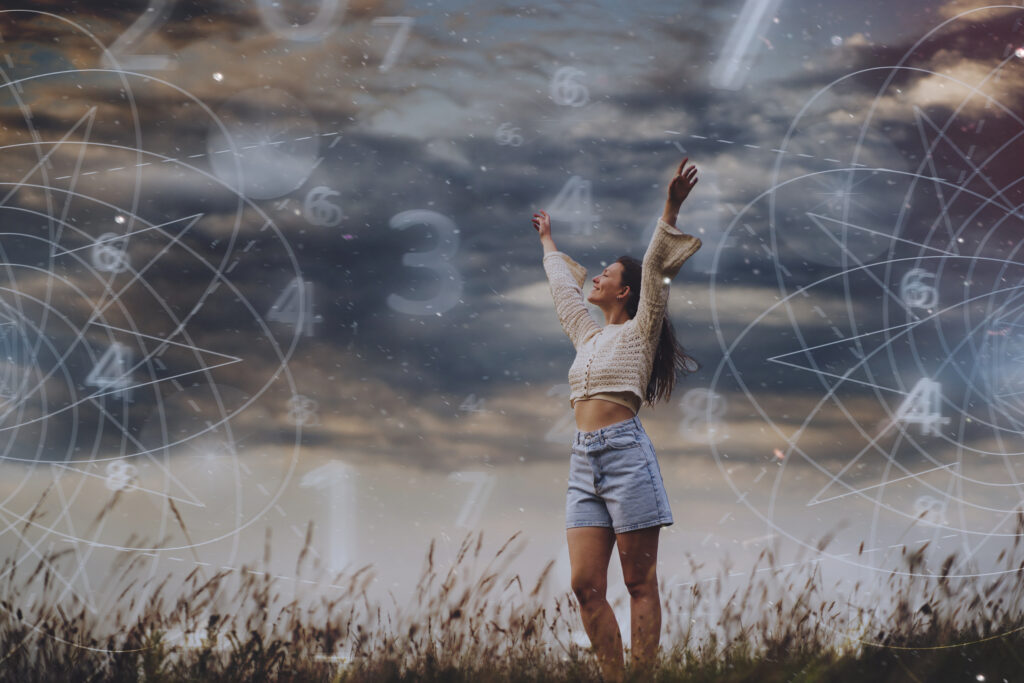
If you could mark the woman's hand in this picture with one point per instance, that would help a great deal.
(683, 181)
(542, 223)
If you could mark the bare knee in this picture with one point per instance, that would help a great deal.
(588, 589)
(643, 587)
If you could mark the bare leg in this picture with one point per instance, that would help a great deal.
(590, 549)
(638, 552)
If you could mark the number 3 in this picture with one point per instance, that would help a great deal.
(437, 259)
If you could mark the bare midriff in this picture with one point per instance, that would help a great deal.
(594, 413)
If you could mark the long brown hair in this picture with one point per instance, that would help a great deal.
(669, 357)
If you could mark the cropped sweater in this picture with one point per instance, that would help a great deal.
(617, 358)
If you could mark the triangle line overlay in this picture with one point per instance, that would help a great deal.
(816, 501)
(920, 116)
(133, 487)
(168, 341)
(818, 217)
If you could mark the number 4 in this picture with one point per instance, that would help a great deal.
(294, 306)
(922, 406)
(573, 203)
(112, 370)
(117, 57)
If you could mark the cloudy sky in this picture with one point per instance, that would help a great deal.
(268, 262)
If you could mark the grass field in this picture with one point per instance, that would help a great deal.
(474, 622)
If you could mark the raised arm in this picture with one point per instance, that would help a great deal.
(668, 250)
(566, 278)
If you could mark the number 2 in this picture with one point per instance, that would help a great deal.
(118, 57)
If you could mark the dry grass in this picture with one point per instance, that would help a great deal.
(478, 623)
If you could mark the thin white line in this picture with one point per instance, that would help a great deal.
(874, 486)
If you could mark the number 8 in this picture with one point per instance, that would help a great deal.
(312, 31)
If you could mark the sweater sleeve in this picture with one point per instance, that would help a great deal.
(669, 248)
(566, 278)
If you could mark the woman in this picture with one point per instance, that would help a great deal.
(616, 495)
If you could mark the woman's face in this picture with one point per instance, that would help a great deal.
(607, 286)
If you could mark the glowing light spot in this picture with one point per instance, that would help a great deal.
(218, 76)
(1019, 52)
(778, 454)
(837, 40)
(119, 220)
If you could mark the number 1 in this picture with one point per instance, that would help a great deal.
(483, 483)
(742, 44)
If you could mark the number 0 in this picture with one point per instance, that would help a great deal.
(310, 32)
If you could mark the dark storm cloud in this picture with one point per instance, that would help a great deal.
(187, 21)
(422, 135)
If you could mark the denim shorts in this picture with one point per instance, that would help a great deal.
(615, 481)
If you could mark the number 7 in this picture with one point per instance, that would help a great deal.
(404, 26)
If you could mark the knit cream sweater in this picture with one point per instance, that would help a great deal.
(617, 357)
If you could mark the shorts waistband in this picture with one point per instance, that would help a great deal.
(608, 430)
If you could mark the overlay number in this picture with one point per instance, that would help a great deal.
(336, 482)
(438, 259)
(312, 31)
(574, 205)
(565, 428)
(743, 44)
(921, 406)
(404, 26)
(108, 258)
(483, 484)
(318, 210)
(118, 55)
(112, 369)
(930, 511)
(703, 412)
(916, 294)
(294, 306)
